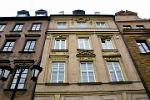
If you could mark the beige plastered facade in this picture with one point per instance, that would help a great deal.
(73, 89)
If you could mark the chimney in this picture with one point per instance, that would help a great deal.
(23, 13)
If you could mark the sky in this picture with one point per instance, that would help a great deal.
(9, 8)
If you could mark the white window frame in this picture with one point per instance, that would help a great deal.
(22, 81)
(2, 26)
(30, 45)
(108, 44)
(84, 43)
(18, 27)
(142, 45)
(59, 46)
(101, 25)
(36, 26)
(9, 45)
(87, 71)
(61, 25)
(58, 72)
(115, 70)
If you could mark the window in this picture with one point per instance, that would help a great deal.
(143, 46)
(81, 25)
(0, 72)
(140, 26)
(107, 44)
(8, 46)
(18, 27)
(84, 43)
(36, 27)
(61, 25)
(22, 79)
(126, 26)
(60, 44)
(101, 25)
(2, 26)
(58, 72)
(87, 72)
(115, 71)
(30, 45)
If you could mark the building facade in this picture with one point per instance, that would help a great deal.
(136, 34)
(21, 44)
(85, 58)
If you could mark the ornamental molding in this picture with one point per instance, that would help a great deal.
(59, 36)
(86, 59)
(58, 57)
(85, 53)
(82, 19)
(112, 58)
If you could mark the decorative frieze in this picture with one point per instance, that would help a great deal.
(85, 53)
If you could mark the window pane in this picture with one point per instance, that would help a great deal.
(8, 46)
(60, 44)
(12, 86)
(113, 76)
(2, 27)
(30, 45)
(63, 45)
(81, 25)
(22, 79)
(84, 43)
(100, 25)
(61, 25)
(120, 78)
(58, 72)
(83, 66)
(87, 72)
(20, 86)
(84, 77)
(115, 71)
(143, 46)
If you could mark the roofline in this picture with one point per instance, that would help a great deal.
(82, 15)
(134, 21)
(24, 18)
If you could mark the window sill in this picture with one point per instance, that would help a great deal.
(59, 50)
(16, 31)
(85, 50)
(145, 53)
(13, 35)
(16, 90)
(90, 83)
(19, 92)
(6, 51)
(120, 82)
(26, 51)
(34, 30)
(56, 84)
(110, 50)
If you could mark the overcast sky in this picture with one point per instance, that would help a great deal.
(10, 7)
